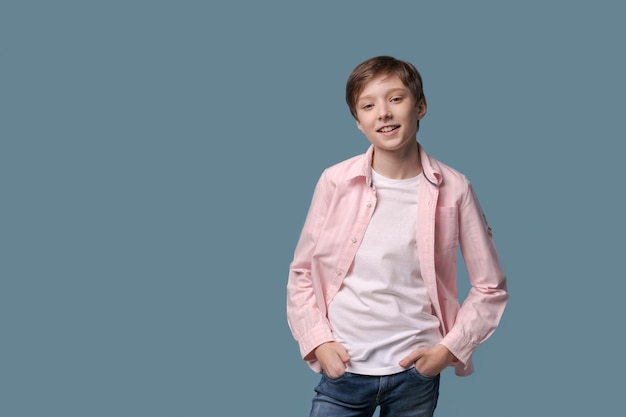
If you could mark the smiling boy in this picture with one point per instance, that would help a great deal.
(371, 296)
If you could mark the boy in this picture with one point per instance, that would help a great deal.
(371, 297)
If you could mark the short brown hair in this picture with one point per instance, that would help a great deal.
(382, 65)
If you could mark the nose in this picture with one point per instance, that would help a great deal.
(384, 113)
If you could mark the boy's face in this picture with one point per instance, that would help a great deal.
(387, 114)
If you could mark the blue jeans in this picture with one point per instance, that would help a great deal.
(406, 394)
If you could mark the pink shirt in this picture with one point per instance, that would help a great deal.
(448, 215)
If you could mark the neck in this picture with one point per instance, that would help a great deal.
(397, 165)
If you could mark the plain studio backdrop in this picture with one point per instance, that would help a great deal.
(157, 160)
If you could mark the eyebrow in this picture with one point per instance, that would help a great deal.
(390, 92)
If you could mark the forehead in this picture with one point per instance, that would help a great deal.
(381, 85)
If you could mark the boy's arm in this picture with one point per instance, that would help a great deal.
(308, 324)
(483, 307)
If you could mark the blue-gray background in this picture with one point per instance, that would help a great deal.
(157, 160)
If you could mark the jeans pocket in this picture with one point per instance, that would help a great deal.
(420, 375)
(334, 379)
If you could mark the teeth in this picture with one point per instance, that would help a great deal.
(387, 129)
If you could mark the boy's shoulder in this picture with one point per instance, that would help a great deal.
(442, 171)
(449, 172)
(348, 168)
(359, 166)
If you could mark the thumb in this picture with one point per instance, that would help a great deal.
(411, 358)
(343, 355)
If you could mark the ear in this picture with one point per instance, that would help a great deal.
(421, 109)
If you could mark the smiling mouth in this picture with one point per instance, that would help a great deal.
(387, 129)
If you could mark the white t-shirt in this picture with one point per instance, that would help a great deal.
(382, 311)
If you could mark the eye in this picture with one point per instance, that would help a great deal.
(367, 106)
(396, 99)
